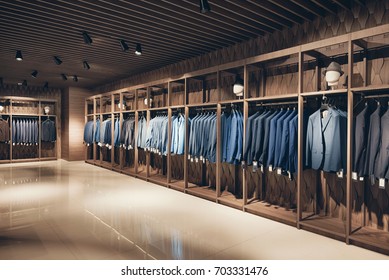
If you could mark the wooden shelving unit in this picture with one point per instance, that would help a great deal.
(29, 108)
(288, 76)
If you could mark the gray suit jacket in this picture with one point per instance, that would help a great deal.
(324, 141)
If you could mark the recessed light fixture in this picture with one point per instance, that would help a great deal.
(75, 78)
(138, 49)
(87, 39)
(57, 60)
(46, 85)
(34, 74)
(24, 83)
(19, 56)
(124, 45)
(204, 6)
(86, 65)
(64, 77)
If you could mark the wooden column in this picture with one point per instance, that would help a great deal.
(245, 116)
(350, 113)
(300, 147)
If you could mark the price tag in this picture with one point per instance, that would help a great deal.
(196, 160)
(361, 179)
(271, 168)
(243, 164)
(279, 171)
(160, 153)
(354, 176)
(201, 157)
(382, 183)
(191, 159)
(340, 173)
(290, 176)
(188, 157)
(255, 166)
(262, 168)
(203, 160)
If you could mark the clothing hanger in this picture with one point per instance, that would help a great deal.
(324, 104)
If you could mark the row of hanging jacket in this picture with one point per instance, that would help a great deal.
(106, 133)
(202, 137)
(271, 140)
(48, 131)
(157, 135)
(127, 138)
(232, 136)
(142, 130)
(178, 134)
(89, 133)
(25, 131)
(371, 143)
(4, 130)
(326, 140)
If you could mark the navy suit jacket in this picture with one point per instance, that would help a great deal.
(272, 137)
(382, 159)
(361, 125)
(373, 141)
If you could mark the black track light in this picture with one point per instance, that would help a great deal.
(87, 39)
(138, 49)
(75, 78)
(46, 85)
(64, 77)
(124, 45)
(34, 74)
(57, 60)
(204, 6)
(19, 56)
(86, 65)
(1, 81)
(24, 83)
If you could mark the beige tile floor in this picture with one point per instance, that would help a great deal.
(72, 210)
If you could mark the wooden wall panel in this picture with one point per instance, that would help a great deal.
(73, 120)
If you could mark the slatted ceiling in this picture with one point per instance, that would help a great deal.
(169, 31)
(294, 9)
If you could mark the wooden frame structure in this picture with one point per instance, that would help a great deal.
(290, 75)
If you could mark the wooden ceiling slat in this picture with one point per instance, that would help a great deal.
(294, 9)
(272, 8)
(309, 6)
(327, 5)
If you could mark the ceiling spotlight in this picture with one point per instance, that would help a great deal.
(57, 60)
(138, 50)
(34, 74)
(75, 78)
(124, 46)
(64, 77)
(87, 39)
(46, 85)
(19, 56)
(204, 6)
(86, 65)
(24, 83)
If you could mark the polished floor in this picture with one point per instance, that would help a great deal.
(72, 210)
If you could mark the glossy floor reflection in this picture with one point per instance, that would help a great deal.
(73, 210)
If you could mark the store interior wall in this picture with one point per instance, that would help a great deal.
(73, 120)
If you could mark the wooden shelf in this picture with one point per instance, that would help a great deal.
(324, 92)
(372, 239)
(327, 226)
(211, 104)
(276, 97)
(371, 89)
(230, 200)
(177, 185)
(273, 212)
(203, 192)
(158, 179)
